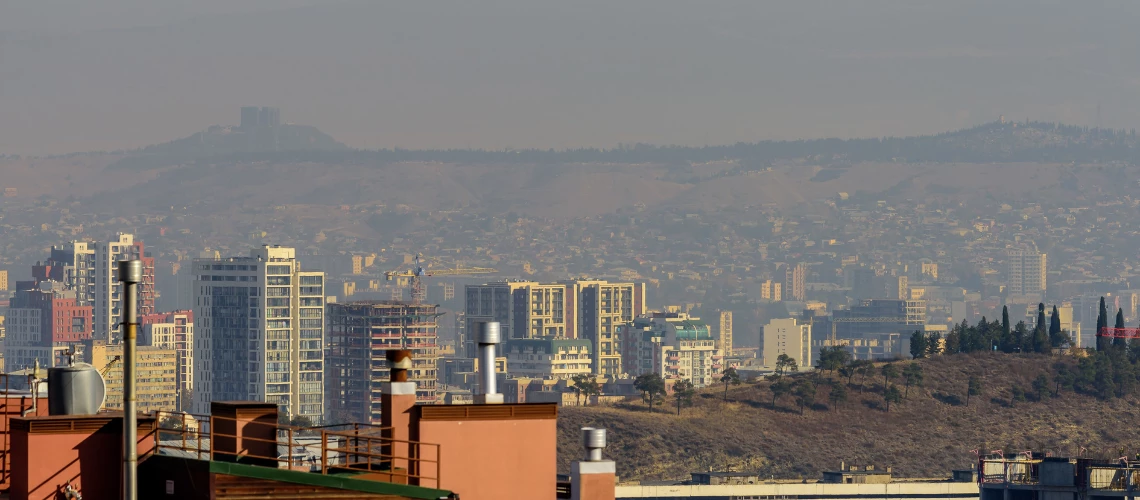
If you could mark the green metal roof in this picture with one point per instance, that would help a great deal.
(340, 482)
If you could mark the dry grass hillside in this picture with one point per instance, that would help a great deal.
(927, 435)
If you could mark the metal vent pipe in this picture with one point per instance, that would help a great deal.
(594, 440)
(489, 336)
(130, 275)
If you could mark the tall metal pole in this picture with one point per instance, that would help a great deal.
(130, 274)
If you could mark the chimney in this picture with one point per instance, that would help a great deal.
(593, 478)
(489, 336)
(397, 398)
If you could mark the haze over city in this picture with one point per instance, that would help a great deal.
(814, 250)
(122, 74)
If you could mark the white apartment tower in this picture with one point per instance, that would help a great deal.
(259, 332)
(1026, 271)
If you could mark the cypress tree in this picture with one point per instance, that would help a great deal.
(1040, 332)
(1101, 323)
(1119, 341)
(1056, 337)
(1006, 338)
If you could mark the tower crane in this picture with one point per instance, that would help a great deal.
(416, 274)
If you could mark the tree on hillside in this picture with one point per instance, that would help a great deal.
(848, 370)
(1022, 340)
(591, 387)
(865, 368)
(933, 344)
(1119, 341)
(832, 358)
(780, 388)
(838, 395)
(1041, 331)
(683, 392)
(892, 395)
(913, 375)
(1041, 386)
(1016, 393)
(1057, 337)
(889, 372)
(729, 377)
(1101, 323)
(785, 364)
(1064, 378)
(973, 388)
(651, 386)
(953, 341)
(918, 344)
(805, 394)
(579, 381)
(1006, 333)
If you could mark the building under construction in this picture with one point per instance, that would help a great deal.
(359, 334)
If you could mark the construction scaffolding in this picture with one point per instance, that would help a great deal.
(359, 334)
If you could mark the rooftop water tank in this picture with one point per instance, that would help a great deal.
(78, 389)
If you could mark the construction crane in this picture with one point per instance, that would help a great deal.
(416, 274)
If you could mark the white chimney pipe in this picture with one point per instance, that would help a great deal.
(489, 336)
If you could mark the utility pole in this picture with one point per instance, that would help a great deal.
(130, 275)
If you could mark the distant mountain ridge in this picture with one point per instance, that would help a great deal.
(995, 142)
(218, 140)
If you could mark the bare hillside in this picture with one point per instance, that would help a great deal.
(927, 435)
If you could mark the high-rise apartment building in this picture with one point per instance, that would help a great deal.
(674, 345)
(259, 332)
(724, 339)
(601, 307)
(576, 309)
(3, 281)
(156, 376)
(359, 334)
(1026, 269)
(173, 330)
(107, 305)
(787, 336)
(795, 282)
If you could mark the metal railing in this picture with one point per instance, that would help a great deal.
(1118, 478)
(321, 449)
(998, 471)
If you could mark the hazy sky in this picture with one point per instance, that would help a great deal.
(527, 73)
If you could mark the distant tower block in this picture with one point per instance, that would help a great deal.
(725, 340)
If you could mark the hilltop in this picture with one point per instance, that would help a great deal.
(927, 435)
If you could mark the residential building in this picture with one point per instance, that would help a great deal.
(576, 309)
(524, 309)
(3, 280)
(928, 269)
(107, 305)
(673, 344)
(1026, 271)
(156, 375)
(771, 290)
(60, 323)
(359, 334)
(173, 330)
(601, 307)
(795, 282)
(550, 358)
(259, 332)
(724, 338)
(873, 317)
(787, 336)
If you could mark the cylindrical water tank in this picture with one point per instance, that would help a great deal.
(75, 390)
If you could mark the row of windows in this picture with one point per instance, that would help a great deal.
(207, 277)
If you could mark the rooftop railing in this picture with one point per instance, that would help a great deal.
(327, 449)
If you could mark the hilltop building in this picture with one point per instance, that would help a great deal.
(359, 335)
(673, 344)
(259, 331)
(549, 358)
(787, 336)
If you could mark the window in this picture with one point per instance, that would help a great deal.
(277, 269)
(311, 280)
(279, 280)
